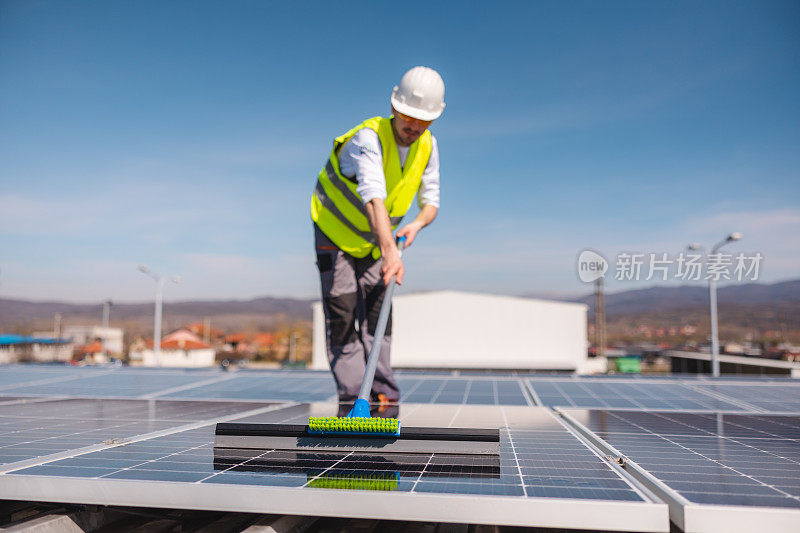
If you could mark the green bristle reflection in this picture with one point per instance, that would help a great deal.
(386, 481)
(353, 425)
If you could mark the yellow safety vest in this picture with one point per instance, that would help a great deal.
(338, 209)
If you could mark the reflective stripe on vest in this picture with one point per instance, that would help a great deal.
(319, 193)
(349, 194)
(336, 206)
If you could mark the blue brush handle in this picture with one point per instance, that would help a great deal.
(374, 352)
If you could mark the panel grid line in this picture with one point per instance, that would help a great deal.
(514, 452)
(535, 397)
(188, 386)
(233, 466)
(724, 397)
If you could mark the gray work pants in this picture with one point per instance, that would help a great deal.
(352, 293)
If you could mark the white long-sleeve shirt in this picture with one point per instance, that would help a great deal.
(362, 157)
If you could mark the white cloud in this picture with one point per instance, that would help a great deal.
(212, 276)
(777, 220)
(775, 233)
(520, 260)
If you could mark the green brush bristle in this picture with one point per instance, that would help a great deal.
(355, 482)
(353, 425)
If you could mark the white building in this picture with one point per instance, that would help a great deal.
(174, 353)
(17, 348)
(459, 330)
(82, 335)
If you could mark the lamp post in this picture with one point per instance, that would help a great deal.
(160, 281)
(694, 247)
(106, 316)
(712, 296)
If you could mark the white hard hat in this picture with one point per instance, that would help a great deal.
(420, 94)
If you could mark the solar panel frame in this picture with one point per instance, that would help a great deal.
(545, 512)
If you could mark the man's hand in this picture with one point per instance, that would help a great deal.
(409, 231)
(425, 217)
(392, 266)
(379, 223)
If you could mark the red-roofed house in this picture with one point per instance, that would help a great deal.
(181, 334)
(177, 350)
(91, 353)
(198, 328)
(263, 340)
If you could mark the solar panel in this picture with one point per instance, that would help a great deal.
(544, 476)
(712, 460)
(128, 383)
(38, 428)
(264, 386)
(626, 395)
(619, 392)
(13, 375)
(772, 397)
(471, 391)
(720, 468)
(278, 386)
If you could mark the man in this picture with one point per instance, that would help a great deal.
(373, 174)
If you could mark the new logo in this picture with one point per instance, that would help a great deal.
(591, 266)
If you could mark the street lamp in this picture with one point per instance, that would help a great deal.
(160, 281)
(106, 314)
(712, 296)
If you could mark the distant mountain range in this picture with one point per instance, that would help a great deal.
(751, 300)
(692, 296)
(757, 311)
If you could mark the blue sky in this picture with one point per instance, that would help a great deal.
(187, 136)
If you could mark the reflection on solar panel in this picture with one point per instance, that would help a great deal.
(249, 385)
(11, 376)
(709, 460)
(544, 476)
(626, 395)
(281, 385)
(470, 391)
(774, 397)
(38, 428)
